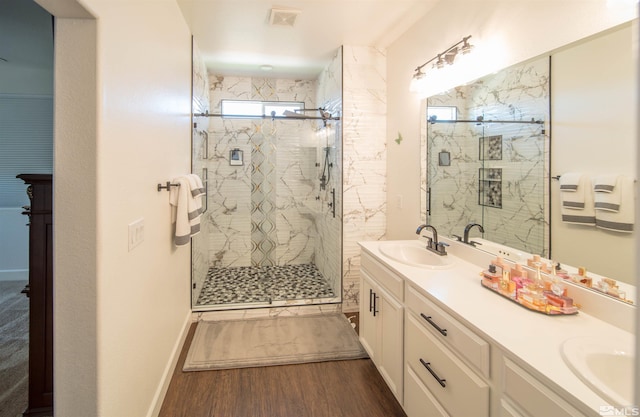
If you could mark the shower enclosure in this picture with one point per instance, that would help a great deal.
(269, 152)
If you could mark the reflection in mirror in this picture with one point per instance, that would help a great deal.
(498, 172)
(590, 129)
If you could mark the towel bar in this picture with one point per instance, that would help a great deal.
(557, 177)
(167, 187)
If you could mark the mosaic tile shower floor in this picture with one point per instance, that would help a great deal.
(263, 284)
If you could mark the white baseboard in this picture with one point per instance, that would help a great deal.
(163, 386)
(14, 275)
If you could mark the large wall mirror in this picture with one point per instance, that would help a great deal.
(495, 158)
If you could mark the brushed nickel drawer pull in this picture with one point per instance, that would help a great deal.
(431, 322)
(433, 373)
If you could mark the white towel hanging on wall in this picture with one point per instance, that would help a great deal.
(607, 193)
(186, 207)
(622, 219)
(576, 199)
(178, 198)
(605, 183)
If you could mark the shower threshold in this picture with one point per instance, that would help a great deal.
(266, 286)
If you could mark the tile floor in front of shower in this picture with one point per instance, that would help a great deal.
(263, 284)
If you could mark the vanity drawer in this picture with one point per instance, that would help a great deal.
(531, 395)
(453, 384)
(464, 341)
(383, 276)
(418, 401)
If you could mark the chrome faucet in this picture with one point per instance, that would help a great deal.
(433, 244)
(468, 228)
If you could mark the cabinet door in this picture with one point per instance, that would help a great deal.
(390, 354)
(368, 322)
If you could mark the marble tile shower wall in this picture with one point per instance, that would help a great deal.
(258, 215)
(328, 253)
(364, 159)
(514, 159)
(200, 103)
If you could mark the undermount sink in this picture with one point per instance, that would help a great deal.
(415, 254)
(605, 366)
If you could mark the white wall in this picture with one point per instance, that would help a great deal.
(523, 29)
(122, 125)
(594, 132)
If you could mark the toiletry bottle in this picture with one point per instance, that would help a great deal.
(499, 262)
(491, 277)
(539, 282)
(580, 276)
(533, 261)
(561, 272)
(557, 287)
(504, 281)
(516, 271)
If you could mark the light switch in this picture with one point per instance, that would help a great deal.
(136, 233)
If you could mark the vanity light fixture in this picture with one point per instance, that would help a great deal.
(441, 60)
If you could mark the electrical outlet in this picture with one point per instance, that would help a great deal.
(136, 233)
(399, 201)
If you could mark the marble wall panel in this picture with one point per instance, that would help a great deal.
(364, 159)
(259, 216)
(328, 246)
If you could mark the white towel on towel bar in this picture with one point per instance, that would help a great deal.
(607, 193)
(179, 200)
(576, 199)
(196, 190)
(185, 208)
(605, 183)
(623, 219)
(570, 181)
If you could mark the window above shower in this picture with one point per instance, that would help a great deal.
(257, 108)
(442, 112)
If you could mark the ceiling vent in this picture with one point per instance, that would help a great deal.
(283, 17)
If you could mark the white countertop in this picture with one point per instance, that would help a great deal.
(534, 338)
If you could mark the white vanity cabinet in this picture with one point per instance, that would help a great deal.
(381, 321)
(432, 336)
(446, 364)
(523, 395)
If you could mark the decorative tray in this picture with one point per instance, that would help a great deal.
(545, 302)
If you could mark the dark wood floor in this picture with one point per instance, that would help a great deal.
(351, 388)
